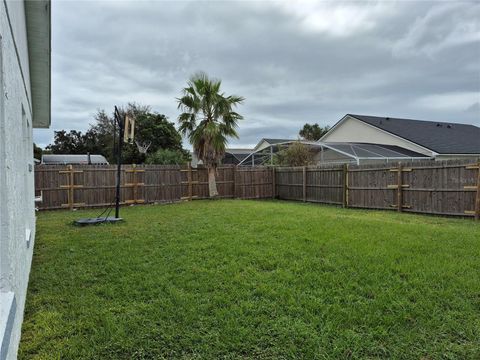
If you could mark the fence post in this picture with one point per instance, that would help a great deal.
(477, 198)
(135, 183)
(274, 183)
(70, 187)
(234, 184)
(71, 183)
(190, 185)
(345, 185)
(304, 170)
(399, 188)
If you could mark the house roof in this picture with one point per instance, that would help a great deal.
(276, 141)
(238, 151)
(66, 159)
(271, 142)
(372, 151)
(239, 154)
(441, 137)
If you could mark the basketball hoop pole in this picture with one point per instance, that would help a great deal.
(120, 123)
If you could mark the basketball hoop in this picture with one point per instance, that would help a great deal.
(143, 146)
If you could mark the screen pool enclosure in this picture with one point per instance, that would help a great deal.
(338, 153)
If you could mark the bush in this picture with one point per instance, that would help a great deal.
(168, 157)
(297, 154)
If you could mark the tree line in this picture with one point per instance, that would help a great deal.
(100, 138)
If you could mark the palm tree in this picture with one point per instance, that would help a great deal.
(208, 120)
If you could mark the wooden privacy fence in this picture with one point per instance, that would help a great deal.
(94, 185)
(443, 188)
(440, 188)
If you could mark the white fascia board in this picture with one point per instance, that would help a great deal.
(38, 22)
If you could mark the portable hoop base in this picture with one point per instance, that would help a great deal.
(97, 220)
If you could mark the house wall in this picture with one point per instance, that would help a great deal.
(17, 214)
(353, 130)
(263, 145)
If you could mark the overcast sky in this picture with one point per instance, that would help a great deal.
(294, 62)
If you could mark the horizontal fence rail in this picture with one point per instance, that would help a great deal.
(441, 188)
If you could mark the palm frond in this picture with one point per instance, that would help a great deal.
(235, 99)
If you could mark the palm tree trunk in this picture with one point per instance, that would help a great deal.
(212, 184)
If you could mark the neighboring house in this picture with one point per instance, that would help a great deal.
(262, 153)
(24, 104)
(232, 157)
(361, 139)
(67, 159)
(437, 140)
(235, 156)
(269, 143)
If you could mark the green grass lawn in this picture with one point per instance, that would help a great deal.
(249, 279)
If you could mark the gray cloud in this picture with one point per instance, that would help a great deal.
(294, 62)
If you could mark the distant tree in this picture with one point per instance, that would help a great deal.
(208, 120)
(168, 157)
(37, 152)
(99, 138)
(91, 143)
(313, 132)
(67, 143)
(156, 130)
(74, 142)
(105, 131)
(296, 154)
